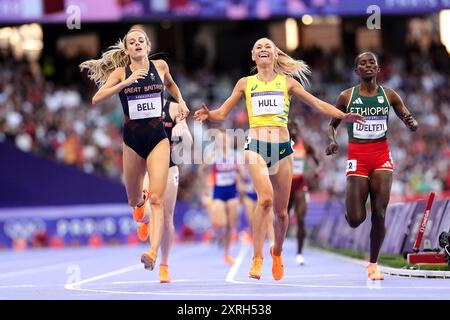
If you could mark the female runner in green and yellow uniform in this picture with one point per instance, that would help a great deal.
(268, 151)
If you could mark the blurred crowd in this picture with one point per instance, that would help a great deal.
(59, 123)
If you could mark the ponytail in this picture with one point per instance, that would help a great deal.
(100, 69)
(291, 67)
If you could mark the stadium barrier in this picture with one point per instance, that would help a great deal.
(402, 223)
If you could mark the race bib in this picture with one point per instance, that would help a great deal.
(247, 143)
(175, 179)
(299, 165)
(267, 102)
(226, 178)
(374, 128)
(145, 106)
(351, 165)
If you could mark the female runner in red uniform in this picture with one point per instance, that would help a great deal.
(369, 165)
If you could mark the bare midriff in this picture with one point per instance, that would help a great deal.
(269, 134)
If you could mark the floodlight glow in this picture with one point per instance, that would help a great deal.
(307, 19)
(444, 26)
(291, 34)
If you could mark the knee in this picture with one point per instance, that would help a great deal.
(134, 202)
(353, 222)
(281, 213)
(265, 201)
(156, 199)
(379, 214)
(232, 223)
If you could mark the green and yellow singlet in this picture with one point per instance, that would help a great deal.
(267, 102)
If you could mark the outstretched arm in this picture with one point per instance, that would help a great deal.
(297, 89)
(400, 110)
(222, 112)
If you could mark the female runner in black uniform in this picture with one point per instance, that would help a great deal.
(126, 69)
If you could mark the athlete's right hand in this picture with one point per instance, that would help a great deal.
(202, 114)
(332, 148)
(136, 75)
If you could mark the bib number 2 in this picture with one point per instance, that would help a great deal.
(351, 165)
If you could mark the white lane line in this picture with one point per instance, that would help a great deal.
(157, 281)
(388, 270)
(230, 278)
(39, 286)
(19, 286)
(262, 294)
(307, 276)
(189, 293)
(76, 285)
(234, 269)
(339, 286)
(35, 270)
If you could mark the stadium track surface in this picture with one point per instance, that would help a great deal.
(199, 273)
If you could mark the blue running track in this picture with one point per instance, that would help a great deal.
(199, 273)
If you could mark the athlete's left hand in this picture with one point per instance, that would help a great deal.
(410, 122)
(183, 111)
(354, 117)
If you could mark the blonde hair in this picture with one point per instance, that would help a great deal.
(290, 67)
(115, 57)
